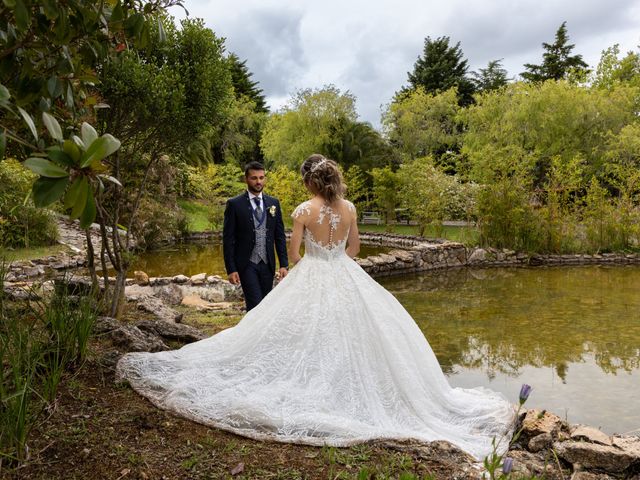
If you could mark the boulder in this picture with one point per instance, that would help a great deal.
(180, 279)
(140, 277)
(171, 331)
(170, 293)
(540, 442)
(198, 279)
(131, 339)
(157, 307)
(477, 256)
(590, 434)
(537, 422)
(595, 456)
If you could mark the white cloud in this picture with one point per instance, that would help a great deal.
(367, 47)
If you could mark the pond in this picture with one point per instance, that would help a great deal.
(573, 333)
(198, 257)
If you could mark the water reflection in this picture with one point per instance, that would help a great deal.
(572, 329)
(198, 257)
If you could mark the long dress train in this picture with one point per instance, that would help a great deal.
(329, 357)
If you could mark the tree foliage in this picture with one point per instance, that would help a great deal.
(557, 61)
(493, 77)
(420, 123)
(244, 85)
(440, 68)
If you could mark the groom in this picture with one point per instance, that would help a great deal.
(252, 227)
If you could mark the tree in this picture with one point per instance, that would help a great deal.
(612, 70)
(357, 143)
(490, 78)
(306, 125)
(243, 85)
(161, 98)
(48, 65)
(557, 61)
(386, 185)
(422, 123)
(440, 68)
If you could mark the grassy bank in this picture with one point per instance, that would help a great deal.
(199, 213)
(18, 254)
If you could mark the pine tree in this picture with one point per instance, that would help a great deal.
(490, 78)
(244, 85)
(557, 61)
(442, 67)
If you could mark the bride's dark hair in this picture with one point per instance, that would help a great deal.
(323, 176)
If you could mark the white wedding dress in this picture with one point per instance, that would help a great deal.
(328, 357)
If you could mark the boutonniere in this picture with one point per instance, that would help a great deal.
(272, 210)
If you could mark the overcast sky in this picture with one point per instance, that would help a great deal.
(367, 47)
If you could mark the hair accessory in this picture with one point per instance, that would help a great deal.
(317, 165)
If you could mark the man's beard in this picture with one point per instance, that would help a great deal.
(255, 190)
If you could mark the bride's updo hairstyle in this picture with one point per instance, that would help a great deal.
(323, 177)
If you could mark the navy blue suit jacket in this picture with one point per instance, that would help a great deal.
(239, 237)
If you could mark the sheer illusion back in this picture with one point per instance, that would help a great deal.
(327, 226)
(329, 357)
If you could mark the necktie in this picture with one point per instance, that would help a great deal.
(258, 207)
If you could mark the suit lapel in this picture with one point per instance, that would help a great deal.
(267, 204)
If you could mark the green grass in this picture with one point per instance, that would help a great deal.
(197, 214)
(19, 254)
(465, 235)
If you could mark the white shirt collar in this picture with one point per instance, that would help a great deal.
(252, 196)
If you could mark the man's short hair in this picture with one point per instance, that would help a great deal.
(252, 166)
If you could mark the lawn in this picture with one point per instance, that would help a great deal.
(465, 235)
(19, 254)
(197, 214)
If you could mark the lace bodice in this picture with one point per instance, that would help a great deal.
(326, 227)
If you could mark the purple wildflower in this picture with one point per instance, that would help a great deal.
(525, 391)
(507, 465)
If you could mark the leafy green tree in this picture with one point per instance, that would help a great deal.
(440, 68)
(557, 61)
(613, 70)
(286, 184)
(358, 187)
(420, 123)
(386, 185)
(48, 62)
(306, 125)
(358, 143)
(161, 98)
(243, 85)
(426, 192)
(491, 78)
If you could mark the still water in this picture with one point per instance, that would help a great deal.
(573, 333)
(198, 257)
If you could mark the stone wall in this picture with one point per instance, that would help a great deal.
(417, 254)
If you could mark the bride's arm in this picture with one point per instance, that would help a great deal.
(296, 241)
(353, 240)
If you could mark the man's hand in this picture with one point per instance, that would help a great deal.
(282, 272)
(234, 278)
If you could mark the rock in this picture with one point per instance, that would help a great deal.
(590, 434)
(402, 255)
(478, 255)
(214, 279)
(155, 281)
(110, 359)
(594, 456)
(527, 463)
(156, 306)
(171, 331)
(364, 262)
(537, 422)
(540, 442)
(630, 445)
(137, 292)
(536, 260)
(590, 476)
(210, 293)
(132, 339)
(140, 277)
(170, 294)
(180, 279)
(196, 302)
(198, 279)
(105, 324)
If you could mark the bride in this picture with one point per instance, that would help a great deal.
(329, 357)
